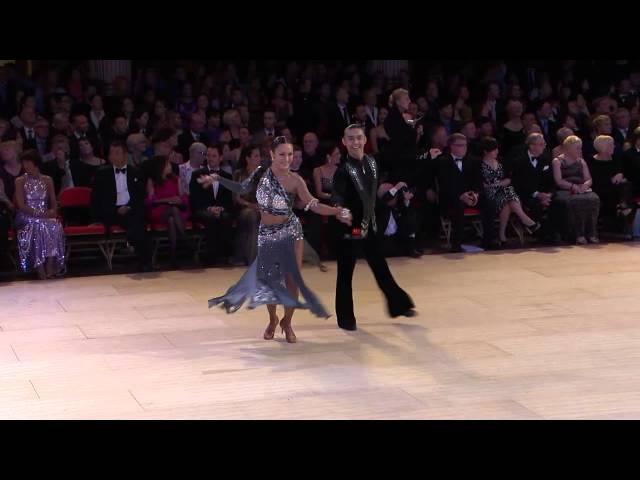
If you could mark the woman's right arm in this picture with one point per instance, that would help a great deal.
(241, 188)
(557, 176)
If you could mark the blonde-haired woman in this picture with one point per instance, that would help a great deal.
(573, 181)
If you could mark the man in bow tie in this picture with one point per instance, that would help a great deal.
(195, 133)
(213, 207)
(532, 179)
(118, 199)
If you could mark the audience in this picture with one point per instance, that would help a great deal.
(73, 122)
(248, 215)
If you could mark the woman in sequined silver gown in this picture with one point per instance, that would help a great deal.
(40, 235)
(274, 276)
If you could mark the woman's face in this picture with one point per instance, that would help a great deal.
(403, 103)
(128, 106)
(30, 167)
(159, 109)
(203, 102)
(143, 120)
(85, 148)
(253, 160)
(606, 148)
(573, 150)
(334, 157)
(282, 157)
(492, 155)
(382, 114)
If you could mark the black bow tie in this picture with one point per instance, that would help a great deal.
(121, 170)
(534, 159)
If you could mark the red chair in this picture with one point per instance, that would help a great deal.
(82, 235)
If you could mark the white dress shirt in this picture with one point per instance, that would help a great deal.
(122, 189)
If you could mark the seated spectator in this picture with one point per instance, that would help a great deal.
(397, 220)
(499, 191)
(61, 125)
(445, 116)
(165, 204)
(532, 179)
(573, 181)
(137, 145)
(10, 166)
(194, 134)
(561, 135)
(42, 137)
(6, 215)
(119, 129)
(311, 157)
(459, 184)
(248, 217)
(323, 175)
(84, 168)
(118, 198)
(609, 183)
(621, 132)
(40, 234)
(601, 126)
(140, 122)
(58, 164)
(213, 206)
(197, 157)
(214, 127)
(5, 127)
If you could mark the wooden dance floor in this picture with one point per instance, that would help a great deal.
(544, 334)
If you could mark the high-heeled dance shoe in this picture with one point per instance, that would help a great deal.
(531, 229)
(288, 333)
(270, 332)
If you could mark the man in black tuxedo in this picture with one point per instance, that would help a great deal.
(397, 219)
(621, 132)
(195, 133)
(355, 188)
(213, 206)
(532, 178)
(460, 187)
(631, 162)
(118, 199)
(268, 129)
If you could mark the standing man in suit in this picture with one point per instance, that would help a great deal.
(213, 206)
(460, 186)
(118, 199)
(532, 179)
(27, 131)
(370, 104)
(339, 116)
(355, 188)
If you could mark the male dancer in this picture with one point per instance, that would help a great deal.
(355, 184)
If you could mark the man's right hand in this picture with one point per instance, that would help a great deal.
(123, 210)
(544, 198)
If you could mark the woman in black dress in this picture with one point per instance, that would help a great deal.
(609, 182)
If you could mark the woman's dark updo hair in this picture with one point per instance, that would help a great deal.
(281, 140)
(32, 156)
(244, 154)
(156, 168)
(488, 144)
(329, 149)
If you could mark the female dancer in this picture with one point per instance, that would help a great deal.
(274, 277)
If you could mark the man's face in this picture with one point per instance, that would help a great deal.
(361, 113)
(486, 129)
(342, 96)
(197, 123)
(28, 116)
(310, 143)
(81, 124)
(446, 112)
(120, 125)
(244, 136)
(528, 119)
(213, 157)
(459, 148)
(623, 119)
(545, 110)
(117, 156)
(355, 140)
(96, 103)
(537, 146)
(439, 138)
(269, 120)
(42, 128)
(469, 130)
(370, 98)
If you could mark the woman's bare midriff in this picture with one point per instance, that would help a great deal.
(268, 219)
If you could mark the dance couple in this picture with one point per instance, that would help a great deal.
(274, 277)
